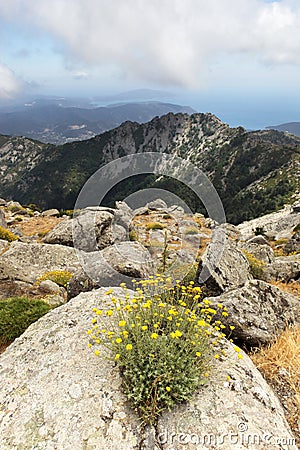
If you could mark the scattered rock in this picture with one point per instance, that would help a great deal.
(14, 206)
(26, 262)
(157, 205)
(223, 265)
(276, 225)
(57, 394)
(259, 239)
(261, 252)
(3, 245)
(115, 264)
(283, 268)
(50, 213)
(2, 219)
(258, 311)
(61, 234)
(293, 245)
(50, 287)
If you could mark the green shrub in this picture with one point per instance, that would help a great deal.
(191, 230)
(162, 339)
(7, 235)
(16, 314)
(256, 266)
(133, 235)
(60, 277)
(154, 226)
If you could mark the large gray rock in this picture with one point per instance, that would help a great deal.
(56, 394)
(293, 244)
(50, 213)
(90, 230)
(115, 264)
(26, 262)
(223, 265)
(261, 252)
(283, 268)
(61, 234)
(258, 311)
(276, 225)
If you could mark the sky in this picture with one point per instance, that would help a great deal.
(239, 59)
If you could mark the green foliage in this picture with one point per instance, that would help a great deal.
(60, 277)
(256, 265)
(16, 314)
(191, 231)
(7, 235)
(154, 226)
(162, 339)
(133, 235)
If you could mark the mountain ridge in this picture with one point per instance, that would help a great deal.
(253, 172)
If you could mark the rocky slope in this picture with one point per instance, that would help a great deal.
(254, 172)
(54, 389)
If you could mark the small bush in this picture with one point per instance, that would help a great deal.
(256, 266)
(154, 226)
(162, 339)
(16, 314)
(7, 235)
(191, 230)
(60, 277)
(133, 235)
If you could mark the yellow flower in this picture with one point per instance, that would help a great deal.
(110, 291)
(236, 349)
(117, 356)
(154, 336)
(122, 323)
(118, 341)
(89, 332)
(240, 356)
(168, 388)
(217, 356)
(97, 352)
(109, 312)
(220, 306)
(232, 327)
(129, 347)
(198, 354)
(144, 327)
(201, 323)
(99, 312)
(224, 313)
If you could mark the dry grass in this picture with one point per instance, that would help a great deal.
(280, 364)
(292, 287)
(38, 225)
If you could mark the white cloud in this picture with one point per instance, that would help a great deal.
(10, 85)
(166, 41)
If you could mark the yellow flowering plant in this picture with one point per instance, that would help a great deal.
(162, 338)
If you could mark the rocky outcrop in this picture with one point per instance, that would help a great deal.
(283, 268)
(258, 311)
(56, 394)
(293, 244)
(89, 231)
(277, 225)
(26, 262)
(223, 265)
(261, 252)
(116, 264)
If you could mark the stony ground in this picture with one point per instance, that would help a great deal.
(165, 236)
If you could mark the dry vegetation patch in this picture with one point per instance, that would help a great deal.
(280, 364)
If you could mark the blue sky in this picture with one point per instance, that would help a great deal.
(239, 59)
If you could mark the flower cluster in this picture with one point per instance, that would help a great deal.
(162, 338)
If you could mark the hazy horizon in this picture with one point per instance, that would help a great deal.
(238, 59)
